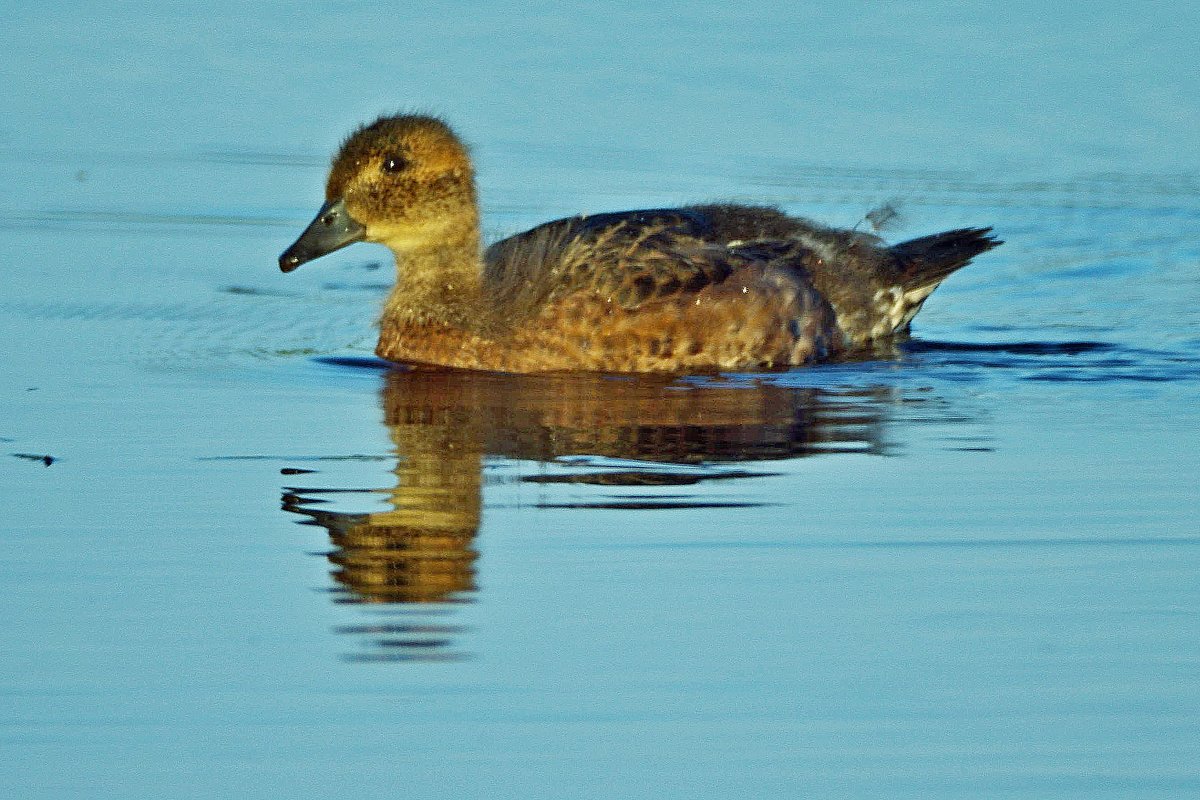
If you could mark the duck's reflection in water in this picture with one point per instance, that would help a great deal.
(419, 557)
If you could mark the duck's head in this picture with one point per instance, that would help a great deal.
(403, 181)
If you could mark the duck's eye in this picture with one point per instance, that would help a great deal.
(394, 163)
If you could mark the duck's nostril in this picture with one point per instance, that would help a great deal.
(331, 229)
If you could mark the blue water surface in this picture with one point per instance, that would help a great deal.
(240, 558)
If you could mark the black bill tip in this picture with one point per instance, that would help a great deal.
(332, 229)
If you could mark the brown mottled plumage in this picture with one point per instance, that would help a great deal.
(665, 290)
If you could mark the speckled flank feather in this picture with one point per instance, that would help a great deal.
(660, 290)
(761, 319)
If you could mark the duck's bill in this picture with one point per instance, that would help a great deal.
(332, 230)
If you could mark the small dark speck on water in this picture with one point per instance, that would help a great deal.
(296, 471)
(334, 286)
(47, 460)
(414, 642)
(253, 291)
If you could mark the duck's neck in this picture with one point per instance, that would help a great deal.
(439, 278)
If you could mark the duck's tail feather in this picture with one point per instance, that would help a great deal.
(919, 266)
(927, 261)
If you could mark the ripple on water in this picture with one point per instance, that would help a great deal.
(644, 444)
(1082, 362)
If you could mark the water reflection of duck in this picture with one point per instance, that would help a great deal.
(664, 290)
(668, 434)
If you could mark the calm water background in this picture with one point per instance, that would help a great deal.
(969, 571)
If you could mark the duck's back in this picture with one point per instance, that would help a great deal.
(634, 257)
(666, 289)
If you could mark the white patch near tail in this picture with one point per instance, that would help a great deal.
(896, 307)
(915, 298)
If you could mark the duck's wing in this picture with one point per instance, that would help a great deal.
(629, 257)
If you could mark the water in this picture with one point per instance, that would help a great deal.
(968, 570)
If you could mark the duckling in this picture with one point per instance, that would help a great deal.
(696, 288)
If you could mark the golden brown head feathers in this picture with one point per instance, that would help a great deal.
(399, 175)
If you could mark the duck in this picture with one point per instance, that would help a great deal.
(715, 287)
